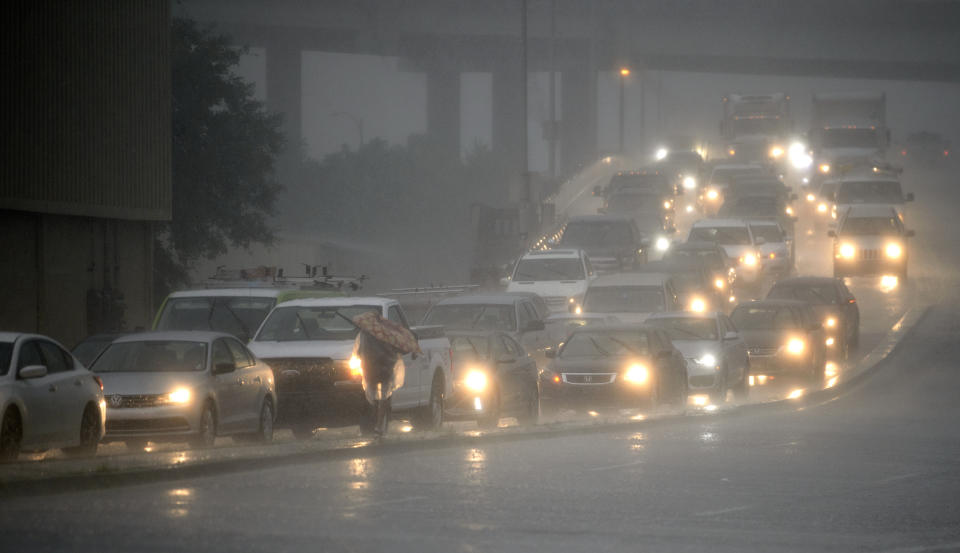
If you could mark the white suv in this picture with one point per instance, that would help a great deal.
(738, 240)
(870, 240)
(560, 277)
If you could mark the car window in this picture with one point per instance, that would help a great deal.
(55, 358)
(221, 353)
(586, 261)
(500, 349)
(241, 356)
(523, 316)
(29, 355)
(6, 351)
(395, 315)
(727, 324)
(513, 346)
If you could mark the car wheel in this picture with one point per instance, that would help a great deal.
(530, 413)
(653, 400)
(742, 390)
(719, 395)
(207, 433)
(264, 433)
(490, 419)
(11, 433)
(432, 416)
(89, 434)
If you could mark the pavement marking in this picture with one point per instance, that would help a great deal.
(899, 477)
(612, 467)
(721, 511)
(387, 502)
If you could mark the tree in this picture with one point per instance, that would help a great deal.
(225, 145)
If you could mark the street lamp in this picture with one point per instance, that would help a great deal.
(624, 73)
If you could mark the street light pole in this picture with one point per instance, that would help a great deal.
(624, 73)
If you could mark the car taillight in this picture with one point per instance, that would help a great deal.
(98, 381)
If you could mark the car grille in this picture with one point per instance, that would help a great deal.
(870, 254)
(165, 424)
(589, 379)
(557, 303)
(763, 350)
(702, 381)
(305, 374)
(135, 401)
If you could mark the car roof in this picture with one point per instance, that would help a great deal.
(483, 299)
(720, 223)
(11, 337)
(339, 302)
(562, 253)
(173, 336)
(870, 177)
(630, 279)
(698, 246)
(805, 281)
(229, 292)
(611, 328)
(599, 218)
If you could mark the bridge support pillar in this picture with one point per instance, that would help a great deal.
(578, 126)
(507, 125)
(443, 108)
(284, 93)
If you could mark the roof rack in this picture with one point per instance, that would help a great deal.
(316, 277)
(435, 289)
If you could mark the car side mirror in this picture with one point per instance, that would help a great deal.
(223, 368)
(535, 325)
(832, 233)
(909, 197)
(910, 234)
(731, 335)
(32, 371)
(550, 353)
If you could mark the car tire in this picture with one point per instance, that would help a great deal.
(431, 418)
(11, 434)
(530, 412)
(264, 433)
(89, 434)
(207, 432)
(653, 400)
(742, 390)
(491, 418)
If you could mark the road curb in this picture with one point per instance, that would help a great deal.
(105, 476)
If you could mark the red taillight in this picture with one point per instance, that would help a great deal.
(946, 153)
(903, 152)
(851, 300)
(98, 381)
(556, 379)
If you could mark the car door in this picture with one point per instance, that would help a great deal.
(504, 362)
(411, 394)
(228, 385)
(522, 369)
(736, 350)
(71, 395)
(533, 337)
(851, 312)
(251, 384)
(39, 397)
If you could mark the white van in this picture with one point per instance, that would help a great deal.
(560, 277)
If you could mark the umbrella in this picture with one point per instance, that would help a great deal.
(387, 331)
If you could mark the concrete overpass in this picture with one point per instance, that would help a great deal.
(872, 39)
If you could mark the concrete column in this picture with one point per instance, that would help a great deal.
(284, 91)
(507, 112)
(443, 107)
(578, 126)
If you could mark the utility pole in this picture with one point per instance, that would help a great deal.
(525, 164)
(624, 73)
(553, 89)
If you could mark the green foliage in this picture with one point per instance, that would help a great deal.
(225, 145)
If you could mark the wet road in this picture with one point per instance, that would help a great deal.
(875, 469)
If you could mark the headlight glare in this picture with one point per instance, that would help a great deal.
(795, 346)
(476, 380)
(830, 322)
(707, 360)
(662, 244)
(180, 395)
(749, 260)
(356, 366)
(689, 183)
(847, 251)
(697, 305)
(636, 374)
(893, 250)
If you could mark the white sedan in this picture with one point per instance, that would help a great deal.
(47, 398)
(185, 387)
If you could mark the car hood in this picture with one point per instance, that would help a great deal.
(617, 250)
(766, 338)
(548, 288)
(626, 318)
(613, 364)
(692, 349)
(735, 251)
(137, 383)
(334, 349)
(839, 156)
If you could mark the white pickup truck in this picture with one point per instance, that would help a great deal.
(308, 344)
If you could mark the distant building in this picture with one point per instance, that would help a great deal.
(86, 170)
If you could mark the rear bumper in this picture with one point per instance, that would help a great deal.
(617, 394)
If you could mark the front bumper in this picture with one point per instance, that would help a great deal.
(778, 363)
(613, 394)
(155, 423)
(464, 404)
(867, 267)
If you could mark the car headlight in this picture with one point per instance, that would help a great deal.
(824, 168)
(476, 380)
(749, 260)
(662, 244)
(776, 152)
(667, 204)
(795, 346)
(719, 283)
(811, 197)
(697, 305)
(689, 183)
(821, 207)
(831, 322)
(180, 396)
(789, 210)
(356, 366)
(847, 251)
(893, 250)
(707, 360)
(636, 374)
(712, 194)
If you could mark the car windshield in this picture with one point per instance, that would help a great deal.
(750, 207)
(765, 317)
(870, 192)
(727, 236)
(756, 125)
(596, 233)
(818, 294)
(828, 189)
(624, 299)
(152, 356)
(240, 316)
(770, 233)
(851, 138)
(6, 350)
(473, 347)
(710, 258)
(549, 269)
(473, 316)
(558, 330)
(626, 201)
(653, 182)
(300, 323)
(605, 344)
(88, 350)
(867, 226)
(687, 328)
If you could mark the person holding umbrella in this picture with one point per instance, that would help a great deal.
(379, 346)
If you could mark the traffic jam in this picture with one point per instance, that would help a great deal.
(685, 282)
